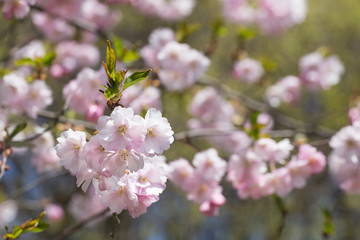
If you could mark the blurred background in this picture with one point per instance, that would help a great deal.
(330, 23)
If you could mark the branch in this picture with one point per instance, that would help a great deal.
(282, 119)
(37, 182)
(78, 226)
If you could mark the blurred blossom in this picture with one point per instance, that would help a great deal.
(285, 90)
(272, 17)
(84, 95)
(8, 212)
(31, 50)
(248, 70)
(18, 96)
(15, 8)
(201, 182)
(179, 65)
(319, 72)
(141, 98)
(54, 29)
(54, 212)
(71, 55)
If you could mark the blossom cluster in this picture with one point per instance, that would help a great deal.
(71, 55)
(201, 182)
(17, 96)
(211, 110)
(344, 159)
(122, 160)
(316, 72)
(263, 169)
(270, 16)
(179, 65)
(84, 95)
(166, 9)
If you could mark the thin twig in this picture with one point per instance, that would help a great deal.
(78, 226)
(37, 182)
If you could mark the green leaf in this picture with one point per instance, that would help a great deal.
(119, 46)
(136, 77)
(25, 62)
(328, 228)
(110, 59)
(34, 226)
(130, 56)
(245, 33)
(48, 58)
(219, 28)
(17, 129)
(253, 118)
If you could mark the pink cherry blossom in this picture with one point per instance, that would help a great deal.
(285, 90)
(69, 145)
(248, 70)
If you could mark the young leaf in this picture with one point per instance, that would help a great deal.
(48, 58)
(17, 129)
(119, 47)
(110, 59)
(136, 77)
(25, 62)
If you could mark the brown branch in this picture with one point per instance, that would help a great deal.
(280, 118)
(78, 226)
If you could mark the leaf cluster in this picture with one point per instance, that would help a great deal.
(34, 226)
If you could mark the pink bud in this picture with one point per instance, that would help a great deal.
(54, 212)
(94, 112)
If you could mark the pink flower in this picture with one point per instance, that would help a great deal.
(54, 212)
(248, 70)
(123, 130)
(120, 195)
(15, 8)
(317, 72)
(181, 173)
(285, 90)
(94, 112)
(269, 150)
(275, 16)
(69, 147)
(209, 165)
(159, 134)
(316, 160)
(38, 97)
(277, 182)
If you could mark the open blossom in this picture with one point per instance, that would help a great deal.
(71, 55)
(201, 182)
(159, 135)
(168, 10)
(272, 17)
(38, 97)
(84, 95)
(179, 65)
(275, 16)
(68, 148)
(123, 130)
(141, 98)
(18, 9)
(248, 70)
(31, 50)
(285, 90)
(319, 72)
(269, 150)
(344, 159)
(55, 29)
(21, 97)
